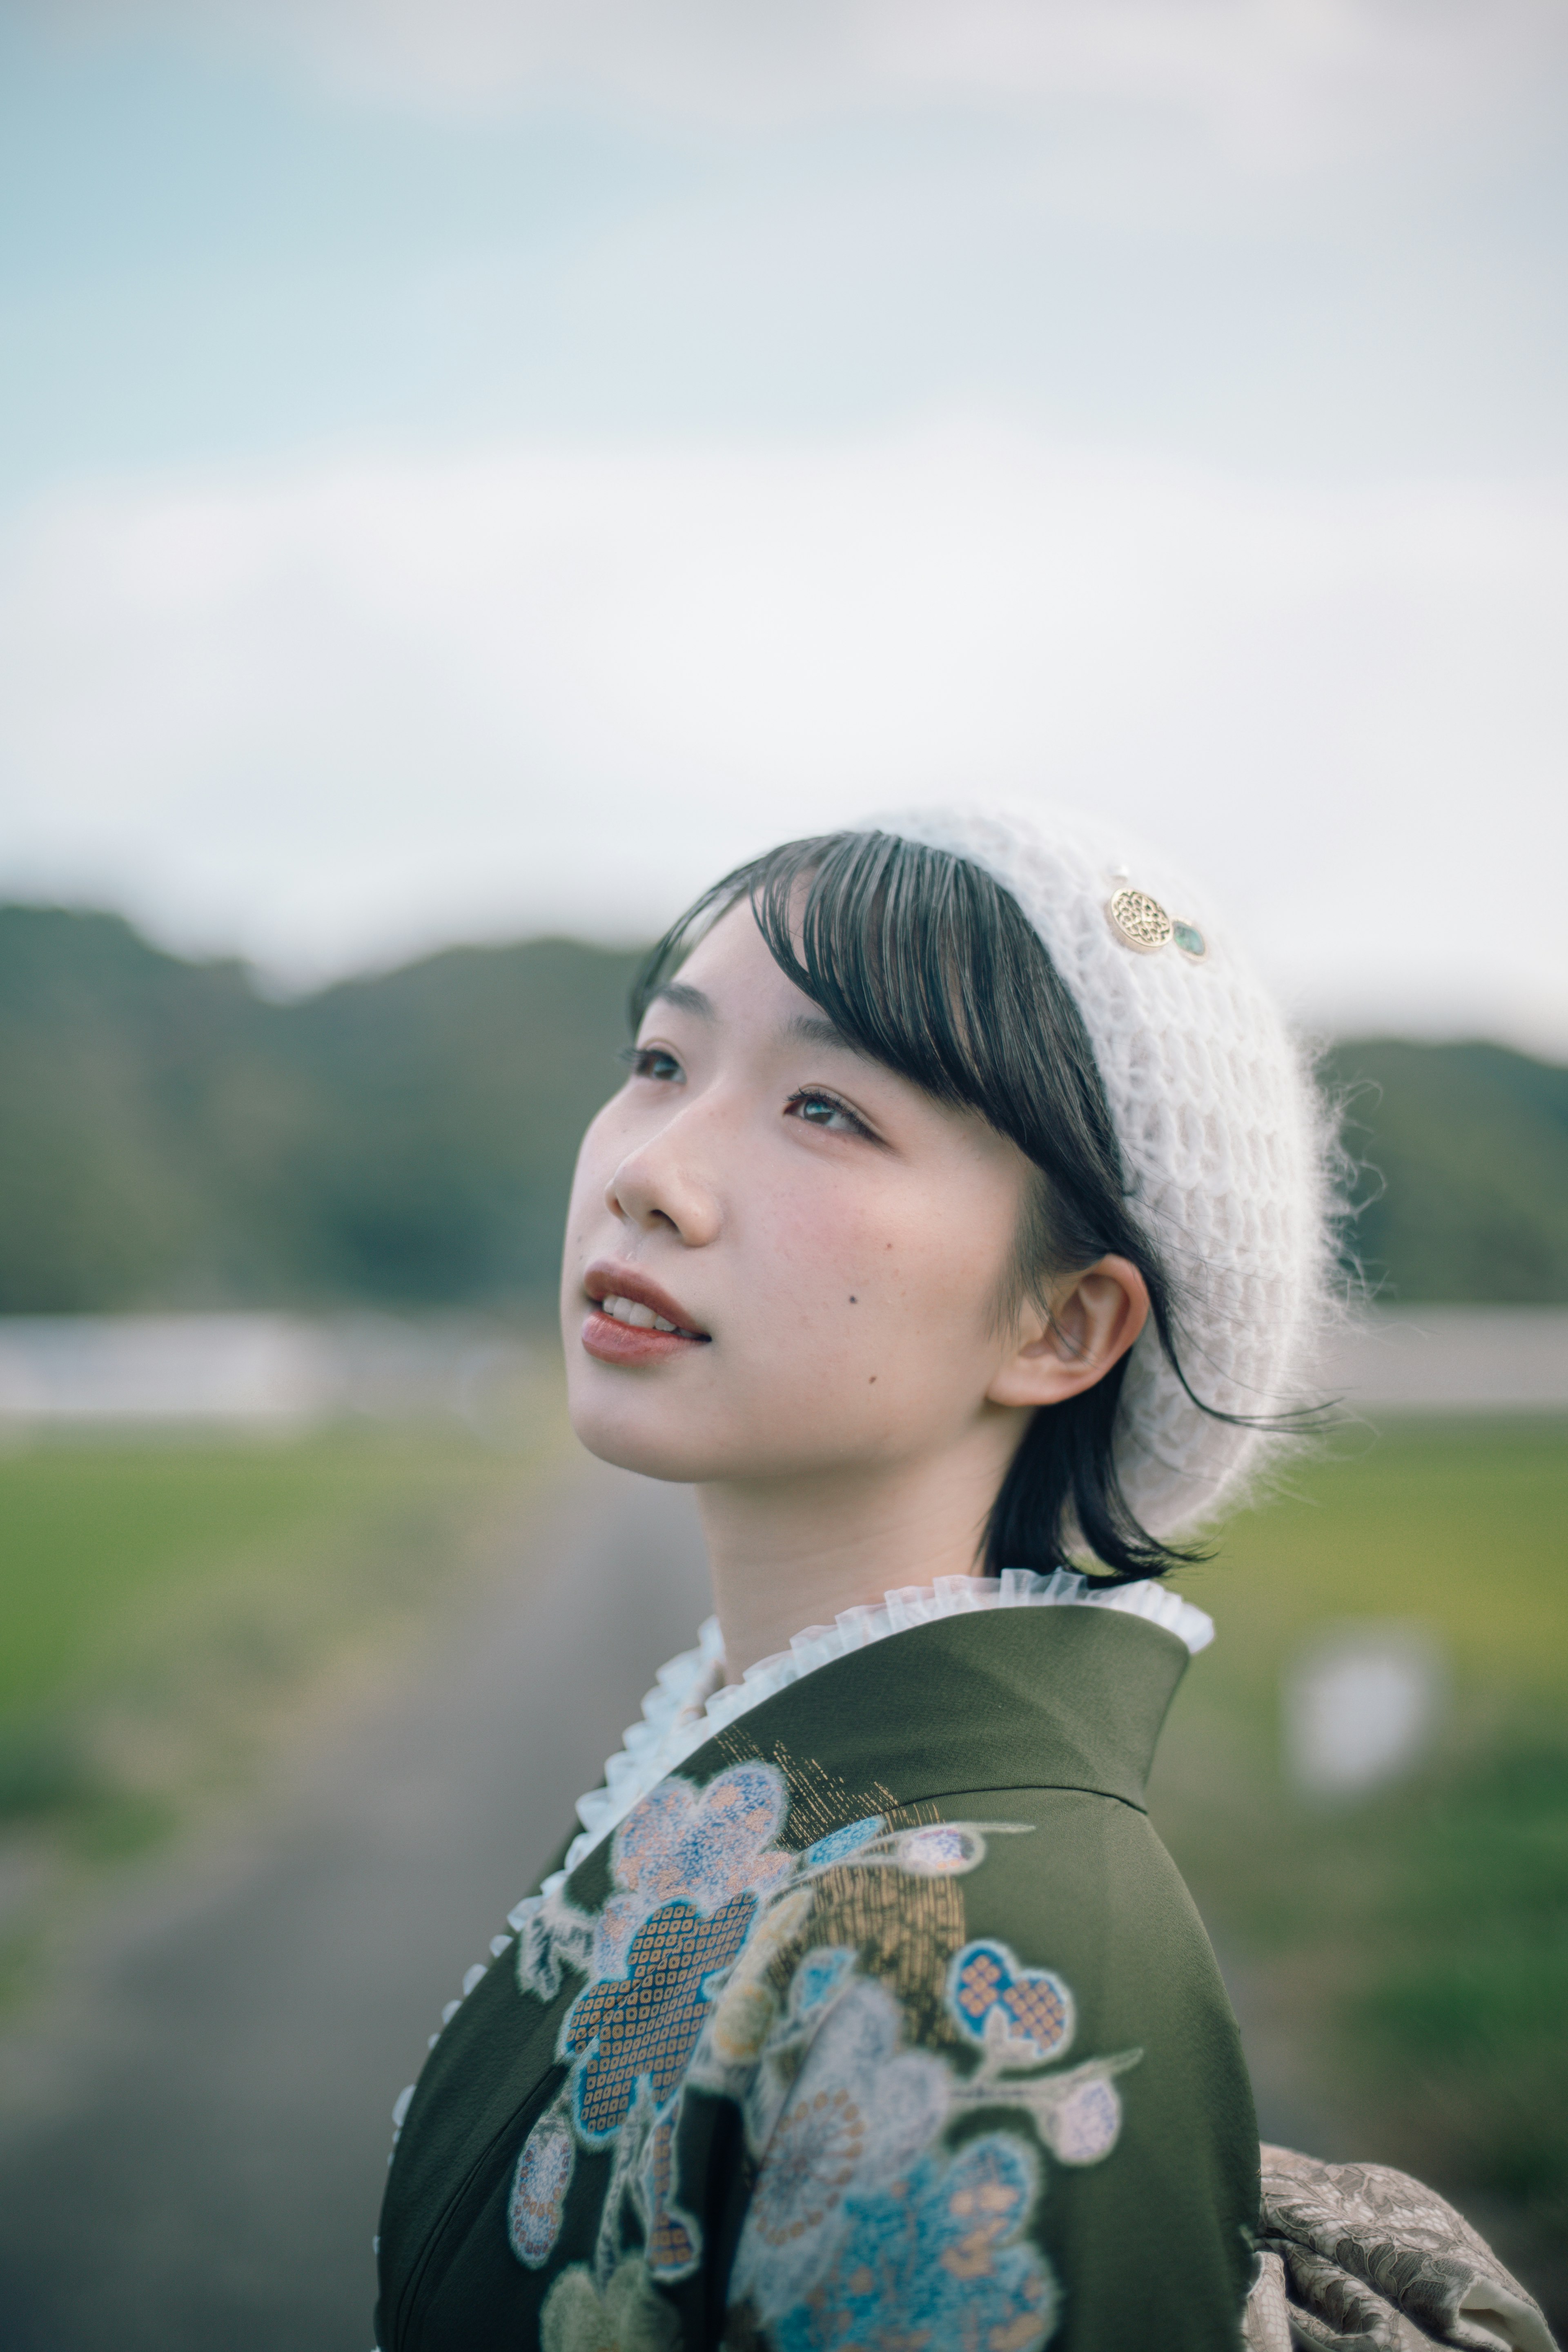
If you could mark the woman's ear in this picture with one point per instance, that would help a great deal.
(1092, 1320)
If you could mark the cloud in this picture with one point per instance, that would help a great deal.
(1272, 79)
(343, 711)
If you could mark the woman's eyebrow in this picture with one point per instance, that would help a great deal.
(816, 1029)
(802, 1029)
(685, 999)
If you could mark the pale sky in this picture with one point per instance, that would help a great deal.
(471, 468)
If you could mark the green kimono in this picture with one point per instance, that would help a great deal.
(884, 2023)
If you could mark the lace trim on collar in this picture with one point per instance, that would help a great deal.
(690, 1700)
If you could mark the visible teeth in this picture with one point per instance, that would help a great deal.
(632, 1311)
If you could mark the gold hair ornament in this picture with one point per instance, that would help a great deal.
(1141, 923)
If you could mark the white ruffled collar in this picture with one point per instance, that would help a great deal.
(690, 1699)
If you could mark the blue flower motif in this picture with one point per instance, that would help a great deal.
(697, 1846)
(838, 1845)
(1025, 2015)
(938, 2260)
(856, 2117)
(645, 2025)
(690, 1870)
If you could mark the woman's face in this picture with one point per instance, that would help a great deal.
(829, 1242)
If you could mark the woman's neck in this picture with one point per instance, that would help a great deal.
(786, 1553)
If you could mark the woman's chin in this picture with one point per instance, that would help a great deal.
(692, 1455)
(626, 1441)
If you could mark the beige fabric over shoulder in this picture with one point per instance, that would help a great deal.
(1359, 2258)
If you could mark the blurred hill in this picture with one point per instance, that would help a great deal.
(1464, 1153)
(171, 1138)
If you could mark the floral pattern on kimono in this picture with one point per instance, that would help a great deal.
(1020, 2017)
(701, 1847)
(690, 1868)
(864, 2227)
(938, 2258)
(856, 2115)
(628, 2316)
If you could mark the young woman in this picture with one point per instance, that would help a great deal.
(962, 1217)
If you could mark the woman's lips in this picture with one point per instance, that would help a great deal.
(619, 1329)
(631, 1343)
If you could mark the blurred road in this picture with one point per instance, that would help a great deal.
(195, 2130)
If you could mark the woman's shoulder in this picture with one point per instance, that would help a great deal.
(1087, 1879)
(1089, 1993)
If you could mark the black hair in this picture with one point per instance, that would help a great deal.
(930, 967)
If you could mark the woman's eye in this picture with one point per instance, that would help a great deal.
(653, 1062)
(825, 1111)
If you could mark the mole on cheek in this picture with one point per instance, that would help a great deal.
(852, 1298)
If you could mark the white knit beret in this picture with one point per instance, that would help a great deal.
(1225, 1142)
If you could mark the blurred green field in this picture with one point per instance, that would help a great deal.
(165, 1601)
(1408, 1951)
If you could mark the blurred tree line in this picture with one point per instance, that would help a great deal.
(171, 1138)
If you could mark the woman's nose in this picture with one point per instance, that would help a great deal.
(656, 1186)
